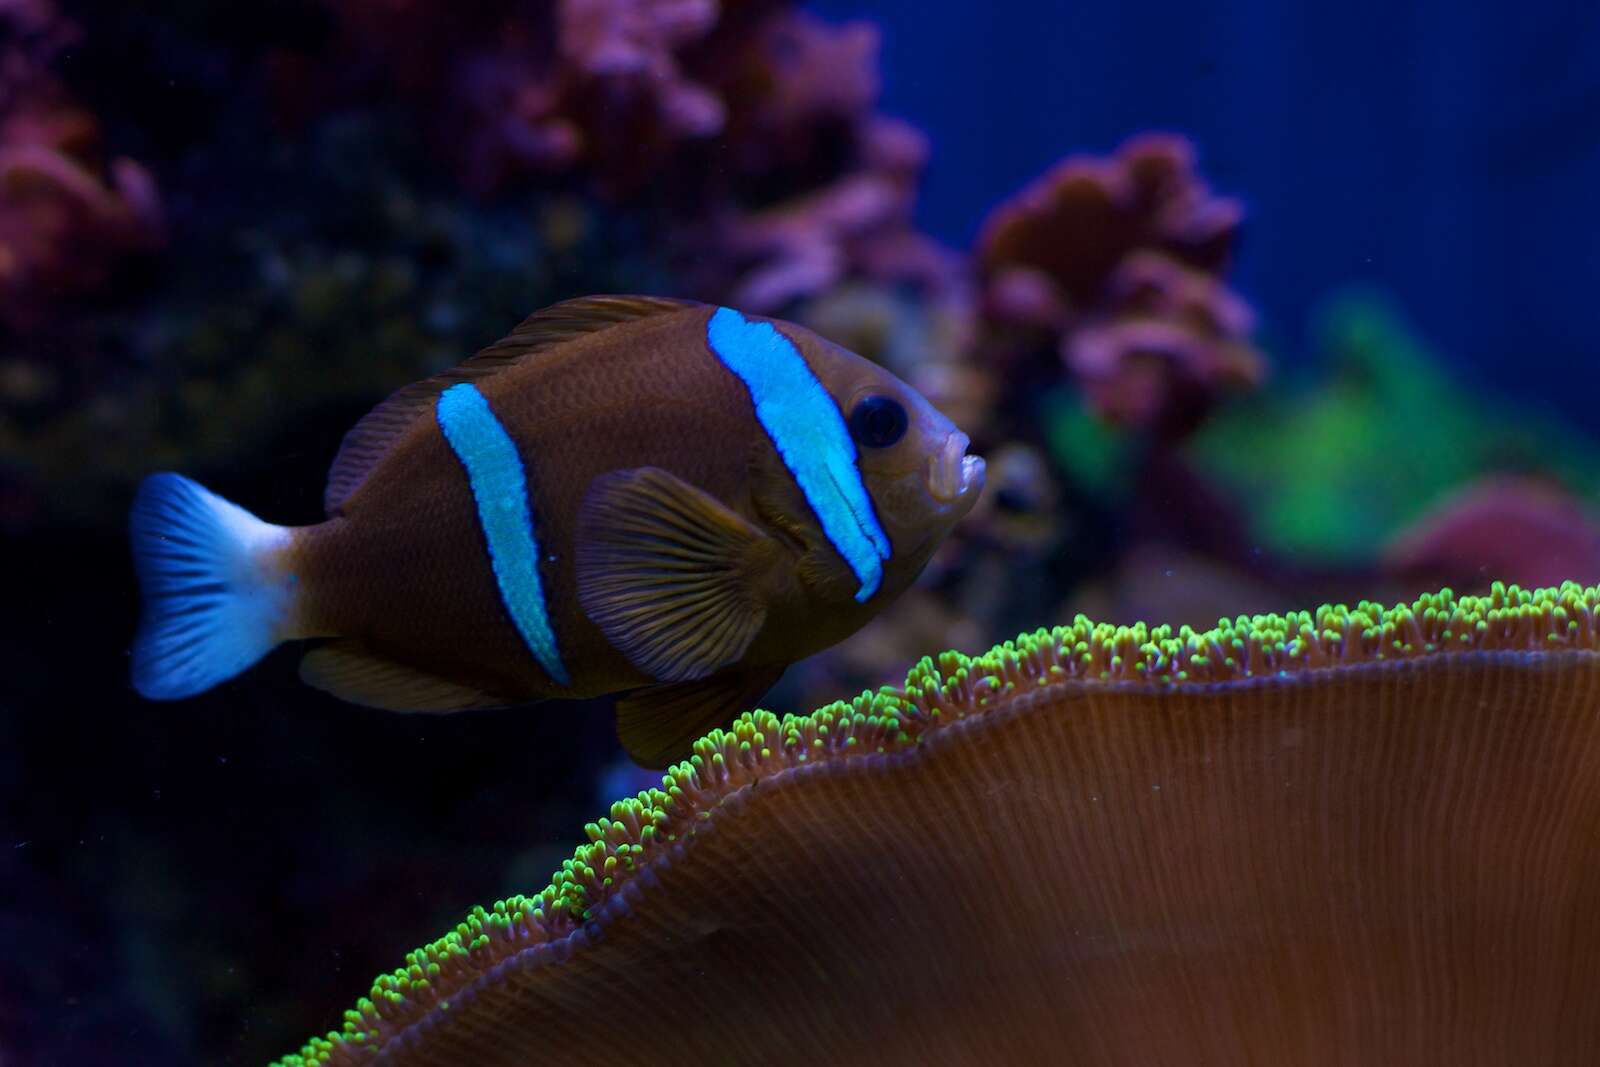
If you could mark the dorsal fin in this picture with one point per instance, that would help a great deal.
(371, 438)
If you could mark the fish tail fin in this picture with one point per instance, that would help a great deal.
(216, 598)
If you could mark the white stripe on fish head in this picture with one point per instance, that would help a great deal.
(805, 426)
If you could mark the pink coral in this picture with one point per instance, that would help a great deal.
(1121, 261)
(806, 92)
(511, 88)
(65, 219)
(860, 220)
(610, 94)
(1170, 341)
(1080, 219)
(635, 43)
(755, 124)
(798, 90)
(1522, 529)
(820, 69)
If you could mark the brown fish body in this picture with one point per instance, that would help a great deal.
(403, 567)
(612, 406)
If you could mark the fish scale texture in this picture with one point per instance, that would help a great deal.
(1374, 859)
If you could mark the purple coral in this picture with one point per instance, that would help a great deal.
(752, 125)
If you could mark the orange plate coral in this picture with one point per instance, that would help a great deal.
(1345, 836)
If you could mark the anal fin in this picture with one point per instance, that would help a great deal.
(659, 724)
(351, 671)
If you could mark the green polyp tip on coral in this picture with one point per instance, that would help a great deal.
(937, 692)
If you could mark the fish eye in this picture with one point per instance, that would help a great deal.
(878, 421)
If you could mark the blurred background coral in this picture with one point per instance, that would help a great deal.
(1250, 305)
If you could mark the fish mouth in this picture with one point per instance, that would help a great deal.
(952, 474)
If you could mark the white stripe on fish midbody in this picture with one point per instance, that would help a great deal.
(500, 492)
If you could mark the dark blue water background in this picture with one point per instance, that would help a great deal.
(1447, 152)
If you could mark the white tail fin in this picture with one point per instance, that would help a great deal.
(214, 599)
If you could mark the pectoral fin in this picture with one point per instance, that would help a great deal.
(677, 581)
(660, 724)
(351, 671)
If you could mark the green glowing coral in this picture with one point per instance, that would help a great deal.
(1334, 467)
(613, 868)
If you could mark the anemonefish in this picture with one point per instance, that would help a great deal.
(628, 495)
